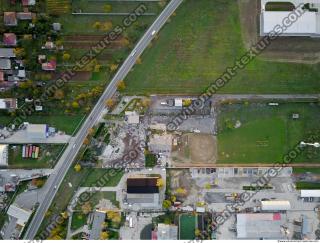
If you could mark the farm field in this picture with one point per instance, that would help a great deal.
(198, 44)
(297, 170)
(49, 155)
(95, 174)
(258, 133)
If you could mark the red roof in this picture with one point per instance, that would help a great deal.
(49, 66)
(154, 235)
(9, 39)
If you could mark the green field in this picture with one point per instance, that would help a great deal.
(198, 44)
(307, 185)
(297, 170)
(49, 155)
(266, 133)
(103, 176)
(95, 197)
(187, 227)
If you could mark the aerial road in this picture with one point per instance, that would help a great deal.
(75, 143)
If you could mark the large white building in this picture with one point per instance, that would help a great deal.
(307, 24)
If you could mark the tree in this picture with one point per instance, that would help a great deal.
(77, 167)
(181, 191)
(113, 67)
(159, 182)
(107, 8)
(139, 60)
(66, 56)
(75, 105)
(107, 26)
(86, 141)
(110, 103)
(121, 85)
(59, 94)
(97, 25)
(86, 208)
(173, 198)
(104, 235)
(197, 232)
(166, 204)
(97, 68)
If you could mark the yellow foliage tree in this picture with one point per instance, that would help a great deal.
(181, 191)
(97, 25)
(66, 56)
(139, 60)
(159, 182)
(104, 235)
(121, 85)
(75, 105)
(107, 26)
(110, 103)
(86, 208)
(77, 167)
(113, 67)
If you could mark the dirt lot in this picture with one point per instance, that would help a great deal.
(195, 150)
(284, 49)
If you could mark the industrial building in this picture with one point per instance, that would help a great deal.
(167, 232)
(261, 226)
(306, 24)
(37, 131)
(273, 205)
(143, 191)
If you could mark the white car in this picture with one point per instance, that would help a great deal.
(133, 52)
(153, 32)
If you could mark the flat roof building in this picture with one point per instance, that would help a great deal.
(275, 205)
(3, 155)
(306, 24)
(260, 226)
(96, 229)
(310, 193)
(37, 131)
(7, 53)
(8, 104)
(167, 232)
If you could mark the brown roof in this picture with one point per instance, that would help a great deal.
(10, 18)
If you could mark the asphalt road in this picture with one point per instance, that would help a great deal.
(73, 148)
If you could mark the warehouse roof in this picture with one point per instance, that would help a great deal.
(306, 24)
(260, 225)
(310, 193)
(142, 185)
(22, 215)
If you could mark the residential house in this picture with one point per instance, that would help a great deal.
(10, 19)
(5, 64)
(28, 2)
(49, 45)
(9, 39)
(24, 16)
(49, 66)
(8, 104)
(7, 53)
(56, 26)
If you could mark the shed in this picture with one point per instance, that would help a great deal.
(9, 39)
(275, 205)
(5, 64)
(178, 102)
(10, 19)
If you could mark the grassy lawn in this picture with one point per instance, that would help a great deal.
(78, 220)
(151, 160)
(107, 178)
(266, 133)
(199, 43)
(187, 226)
(307, 185)
(97, 196)
(297, 170)
(49, 155)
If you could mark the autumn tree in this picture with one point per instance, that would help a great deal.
(75, 105)
(121, 85)
(159, 182)
(104, 235)
(77, 167)
(110, 103)
(181, 191)
(86, 208)
(107, 8)
(106, 26)
(97, 25)
(58, 94)
(166, 204)
(66, 56)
